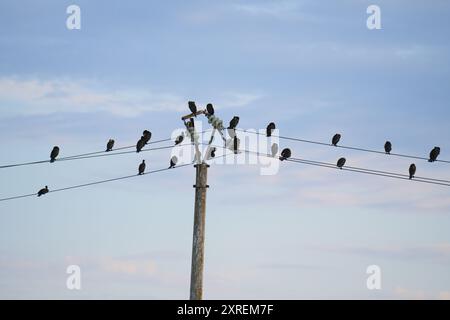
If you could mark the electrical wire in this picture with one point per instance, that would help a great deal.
(345, 147)
(94, 183)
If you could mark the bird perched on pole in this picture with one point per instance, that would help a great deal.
(341, 163)
(42, 191)
(192, 107)
(236, 143)
(211, 153)
(54, 153)
(139, 145)
(388, 147)
(141, 168)
(269, 129)
(210, 109)
(146, 136)
(285, 154)
(179, 139)
(274, 149)
(335, 139)
(109, 145)
(412, 171)
(233, 122)
(173, 162)
(434, 154)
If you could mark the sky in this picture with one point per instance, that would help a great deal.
(312, 67)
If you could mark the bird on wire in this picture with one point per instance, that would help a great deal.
(139, 145)
(146, 136)
(285, 154)
(269, 129)
(42, 191)
(179, 139)
(210, 109)
(173, 162)
(434, 154)
(109, 145)
(274, 149)
(388, 147)
(340, 163)
(412, 171)
(335, 139)
(54, 153)
(141, 167)
(192, 107)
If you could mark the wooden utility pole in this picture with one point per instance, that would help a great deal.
(198, 241)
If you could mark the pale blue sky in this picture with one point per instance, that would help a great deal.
(311, 66)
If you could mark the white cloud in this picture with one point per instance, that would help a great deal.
(33, 96)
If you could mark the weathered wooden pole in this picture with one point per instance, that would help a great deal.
(198, 240)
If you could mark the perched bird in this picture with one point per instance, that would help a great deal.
(285, 154)
(210, 109)
(192, 107)
(139, 145)
(173, 162)
(412, 171)
(274, 149)
(341, 163)
(109, 145)
(434, 154)
(234, 122)
(270, 128)
(42, 191)
(141, 167)
(211, 153)
(146, 136)
(54, 154)
(179, 139)
(388, 147)
(236, 143)
(336, 139)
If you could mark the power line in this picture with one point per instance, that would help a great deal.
(359, 170)
(94, 183)
(94, 154)
(346, 147)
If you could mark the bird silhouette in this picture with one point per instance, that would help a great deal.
(412, 171)
(234, 122)
(335, 139)
(54, 153)
(341, 163)
(146, 136)
(192, 107)
(212, 152)
(179, 139)
(388, 147)
(274, 149)
(42, 191)
(269, 129)
(236, 143)
(141, 167)
(285, 154)
(109, 145)
(210, 109)
(173, 162)
(434, 154)
(139, 145)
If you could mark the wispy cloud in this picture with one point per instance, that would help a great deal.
(34, 96)
(277, 9)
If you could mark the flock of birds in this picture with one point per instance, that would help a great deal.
(285, 153)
